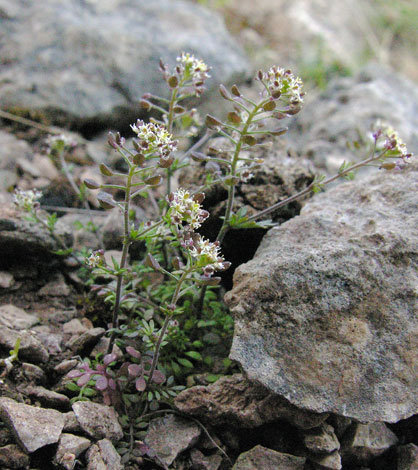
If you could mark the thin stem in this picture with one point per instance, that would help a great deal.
(310, 188)
(207, 135)
(125, 248)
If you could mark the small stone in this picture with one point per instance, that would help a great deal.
(69, 444)
(47, 397)
(32, 372)
(70, 423)
(234, 400)
(32, 427)
(6, 280)
(86, 340)
(98, 421)
(103, 456)
(170, 435)
(326, 462)
(65, 366)
(52, 341)
(407, 457)
(321, 440)
(30, 348)
(5, 436)
(74, 327)
(16, 318)
(364, 442)
(11, 456)
(101, 348)
(261, 458)
(205, 462)
(56, 288)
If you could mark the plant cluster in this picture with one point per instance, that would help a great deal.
(158, 302)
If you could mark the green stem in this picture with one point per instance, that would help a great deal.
(125, 248)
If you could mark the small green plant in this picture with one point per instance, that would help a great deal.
(8, 361)
(162, 305)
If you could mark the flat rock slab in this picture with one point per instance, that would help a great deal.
(98, 421)
(94, 60)
(32, 427)
(16, 318)
(234, 400)
(261, 458)
(170, 435)
(326, 312)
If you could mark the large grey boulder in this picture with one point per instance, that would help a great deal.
(88, 60)
(326, 312)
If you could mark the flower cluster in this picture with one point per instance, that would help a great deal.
(388, 140)
(186, 208)
(206, 253)
(193, 69)
(154, 139)
(27, 200)
(282, 83)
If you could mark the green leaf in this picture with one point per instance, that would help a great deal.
(213, 377)
(194, 355)
(89, 392)
(185, 363)
(72, 386)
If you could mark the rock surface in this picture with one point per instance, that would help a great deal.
(262, 458)
(16, 318)
(70, 445)
(94, 60)
(407, 457)
(98, 421)
(30, 348)
(321, 440)
(32, 427)
(11, 456)
(236, 401)
(103, 456)
(325, 314)
(170, 435)
(348, 108)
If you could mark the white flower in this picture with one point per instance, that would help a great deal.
(27, 200)
(284, 82)
(154, 139)
(95, 259)
(186, 208)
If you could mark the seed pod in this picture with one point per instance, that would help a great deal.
(176, 263)
(173, 81)
(91, 184)
(234, 117)
(178, 109)
(153, 180)
(106, 201)
(276, 94)
(293, 110)
(279, 131)
(388, 166)
(209, 281)
(269, 106)
(235, 91)
(224, 93)
(138, 159)
(119, 139)
(111, 140)
(231, 180)
(198, 156)
(145, 104)
(199, 197)
(151, 262)
(250, 140)
(212, 122)
(105, 170)
(166, 162)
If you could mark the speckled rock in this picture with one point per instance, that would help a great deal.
(98, 421)
(325, 313)
(69, 448)
(31, 349)
(11, 456)
(170, 435)
(321, 440)
(103, 456)
(261, 458)
(94, 60)
(234, 400)
(16, 318)
(407, 457)
(32, 427)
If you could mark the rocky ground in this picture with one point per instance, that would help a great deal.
(325, 309)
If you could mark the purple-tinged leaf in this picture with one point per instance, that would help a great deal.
(133, 352)
(109, 358)
(112, 384)
(83, 380)
(100, 368)
(101, 383)
(135, 370)
(158, 377)
(75, 373)
(140, 384)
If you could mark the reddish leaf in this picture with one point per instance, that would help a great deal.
(158, 377)
(140, 384)
(101, 383)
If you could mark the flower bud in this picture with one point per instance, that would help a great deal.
(91, 184)
(111, 140)
(146, 96)
(120, 140)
